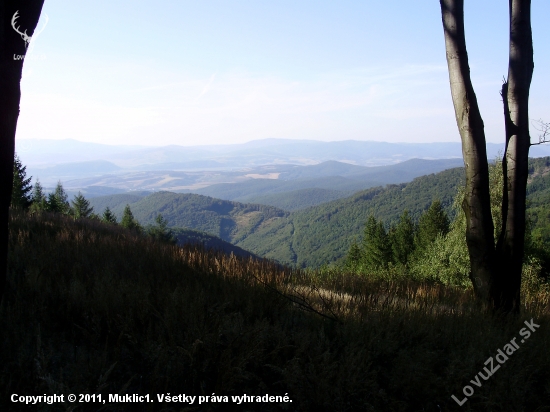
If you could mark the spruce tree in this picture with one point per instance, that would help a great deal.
(108, 216)
(402, 239)
(21, 192)
(161, 232)
(434, 222)
(128, 221)
(38, 198)
(376, 245)
(81, 207)
(354, 257)
(58, 200)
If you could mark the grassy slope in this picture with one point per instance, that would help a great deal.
(209, 242)
(94, 309)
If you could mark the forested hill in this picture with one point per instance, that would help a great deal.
(324, 233)
(309, 237)
(230, 221)
(321, 234)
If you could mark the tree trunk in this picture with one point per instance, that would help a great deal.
(495, 272)
(11, 45)
(476, 205)
(515, 96)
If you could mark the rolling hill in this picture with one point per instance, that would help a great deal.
(306, 238)
(230, 221)
(323, 233)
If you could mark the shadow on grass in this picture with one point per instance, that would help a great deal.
(92, 308)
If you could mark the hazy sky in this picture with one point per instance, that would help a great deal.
(207, 72)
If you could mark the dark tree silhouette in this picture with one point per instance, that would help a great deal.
(81, 207)
(21, 193)
(495, 270)
(12, 44)
(108, 216)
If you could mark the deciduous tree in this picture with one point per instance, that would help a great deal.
(12, 44)
(495, 270)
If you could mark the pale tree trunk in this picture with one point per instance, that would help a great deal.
(495, 272)
(11, 43)
(515, 96)
(476, 205)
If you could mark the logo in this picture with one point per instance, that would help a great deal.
(29, 43)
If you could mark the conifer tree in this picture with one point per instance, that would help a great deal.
(161, 232)
(108, 216)
(81, 207)
(128, 221)
(402, 239)
(354, 257)
(21, 192)
(38, 197)
(434, 222)
(376, 245)
(58, 200)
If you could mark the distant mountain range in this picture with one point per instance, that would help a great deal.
(243, 184)
(41, 153)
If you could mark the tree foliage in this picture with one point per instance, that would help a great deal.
(21, 193)
(402, 239)
(433, 223)
(57, 201)
(376, 245)
(39, 201)
(81, 207)
(128, 221)
(161, 232)
(108, 216)
(495, 269)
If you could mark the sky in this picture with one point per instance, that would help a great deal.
(217, 72)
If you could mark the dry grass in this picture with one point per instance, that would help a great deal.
(95, 309)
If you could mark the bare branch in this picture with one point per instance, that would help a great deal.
(544, 129)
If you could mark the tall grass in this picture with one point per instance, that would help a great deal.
(92, 308)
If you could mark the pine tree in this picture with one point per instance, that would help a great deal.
(402, 239)
(38, 197)
(21, 192)
(433, 223)
(161, 232)
(81, 207)
(376, 245)
(128, 221)
(108, 216)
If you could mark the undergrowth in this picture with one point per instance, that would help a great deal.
(93, 308)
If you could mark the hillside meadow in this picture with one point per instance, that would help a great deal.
(92, 308)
